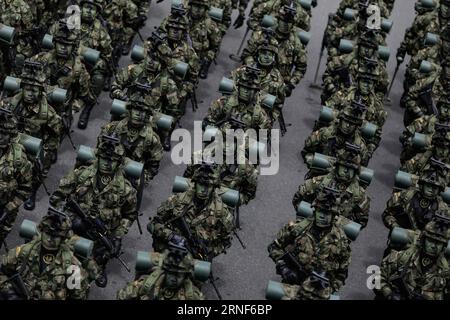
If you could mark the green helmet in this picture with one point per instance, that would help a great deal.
(8, 122)
(98, 3)
(437, 229)
(352, 115)
(204, 3)
(328, 199)
(33, 74)
(205, 173)
(178, 19)
(270, 44)
(250, 78)
(177, 258)
(110, 147)
(67, 36)
(432, 177)
(56, 223)
(349, 156)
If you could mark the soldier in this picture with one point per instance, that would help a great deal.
(363, 93)
(204, 33)
(291, 53)
(270, 77)
(16, 173)
(420, 272)
(301, 17)
(123, 21)
(438, 153)
(95, 36)
(343, 70)
(314, 245)
(240, 175)
(176, 27)
(330, 139)
(63, 68)
(18, 14)
(149, 78)
(136, 134)
(171, 278)
(418, 99)
(101, 192)
(425, 21)
(41, 269)
(36, 118)
(243, 105)
(354, 202)
(427, 125)
(197, 215)
(413, 208)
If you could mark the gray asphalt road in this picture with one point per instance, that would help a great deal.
(244, 273)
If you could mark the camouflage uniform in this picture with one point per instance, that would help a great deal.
(16, 175)
(205, 35)
(104, 194)
(153, 286)
(123, 21)
(302, 18)
(271, 79)
(416, 273)
(17, 14)
(253, 115)
(45, 270)
(292, 59)
(413, 208)
(418, 98)
(182, 50)
(316, 249)
(210, 221)
(426, 125)
(423, 23)
(240, 177)
(343, 70)
(37, 119)
(68, 73)
(162, 94)
(354, 202)
(330, 139)
(141, 143)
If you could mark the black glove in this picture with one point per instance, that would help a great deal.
(288, 89)
(286, 273)
(239, 22)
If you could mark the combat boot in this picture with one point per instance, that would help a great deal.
(84, 117)
(30, 203)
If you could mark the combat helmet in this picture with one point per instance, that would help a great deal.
(432, 177)
(204, 3)
(66, 35)
(178, 19)
(33, 74)
(352, 115)
(438, 228)
(328, 199)
(349, 156)
(56, 223)
(178, 259)
(98, 3)
(206, 173)
(111, 148)
(250, 78)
